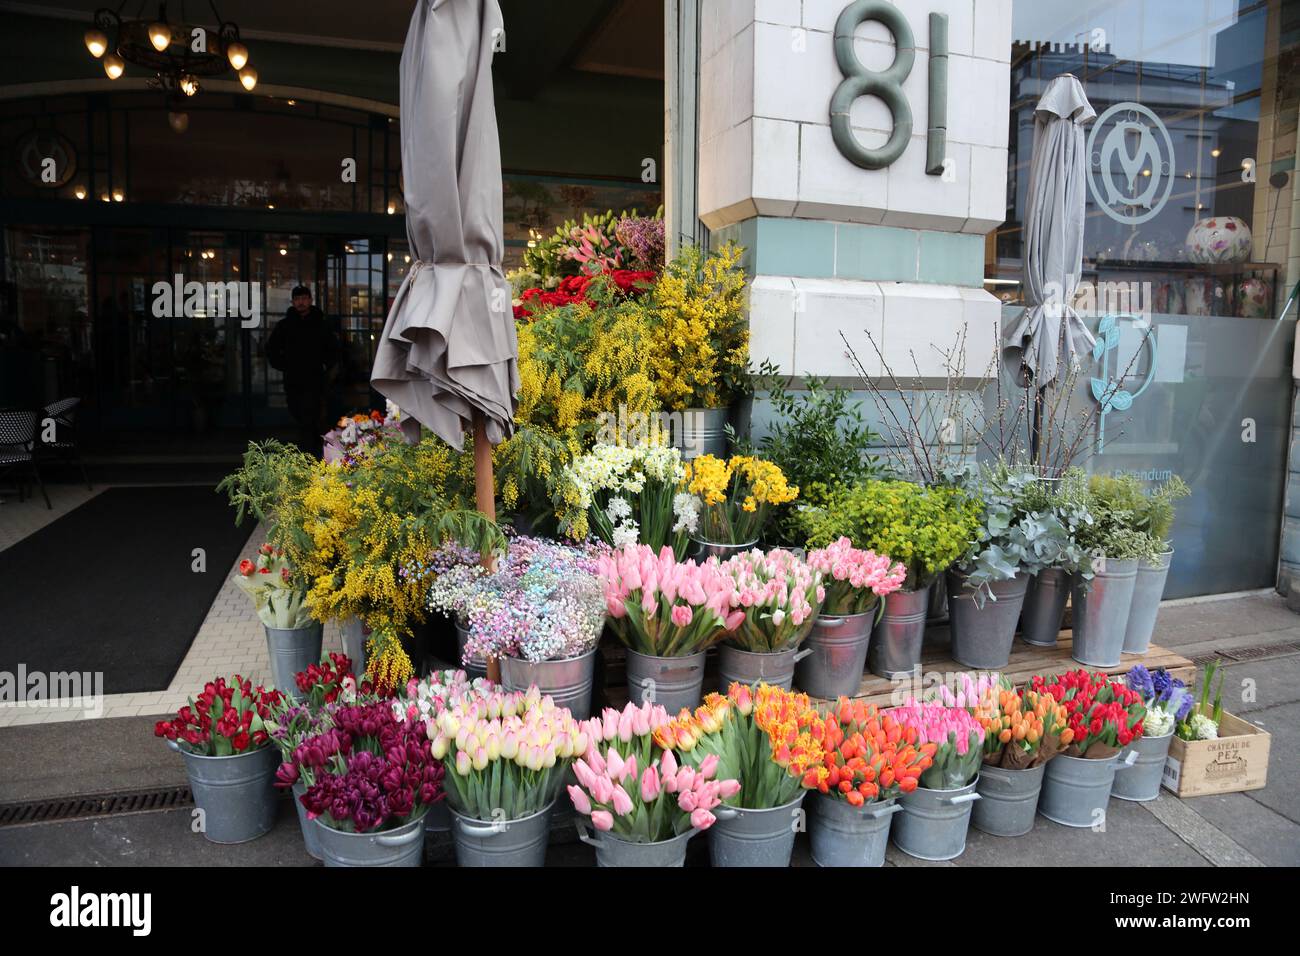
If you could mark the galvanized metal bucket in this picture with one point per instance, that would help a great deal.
(1140, 780)
(1044, 607)
(567, 680)
(1101, 613)
(400, 846)
(477, 667)
(611, 851)
(674, 682)
(1076, 790)
(933, 823)
(292, 650)
(519, 842)
(896, 645)
(1008, 800)
(354, 633)
(982, 637)
(703, 432)
(701, 551)
(747, 667)
(308, 826)
(236, 794)
(937, 612)
(844, 835)
(741, 837)
(1148, 589)
(838, 647)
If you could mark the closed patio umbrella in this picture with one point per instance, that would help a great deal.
(1049, 333)
(448, 355)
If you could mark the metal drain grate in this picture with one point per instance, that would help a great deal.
(94, 805)
(1239, 654)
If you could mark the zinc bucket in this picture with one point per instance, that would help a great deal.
(477, 667)
(845, 835)
(519, 842)
(674, 682)
(742, 837)
(895, 649)
(1101, 613)
(567, 681)
(1148, 588)
(401, 846)
(838, 655)
(703, 432)
(937, 612)
(933, 823)
(611, 851)
(354, 633)
(292, 650)
(309, 826)
(236, 794)
(1008, 800)
(1044, 608)
(1140, 780)
(701, 551)
(1076, 790)
(982, 637)
(747, 667)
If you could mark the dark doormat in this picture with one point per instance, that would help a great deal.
(112, 587)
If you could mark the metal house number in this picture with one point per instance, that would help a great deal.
(888, 85)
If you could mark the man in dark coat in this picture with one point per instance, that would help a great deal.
(304, 349)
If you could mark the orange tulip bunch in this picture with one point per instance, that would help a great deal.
(1021, 728)
(866, 755)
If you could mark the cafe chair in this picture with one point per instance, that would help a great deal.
(17, 448)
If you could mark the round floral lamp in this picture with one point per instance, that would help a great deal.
(1219, 239)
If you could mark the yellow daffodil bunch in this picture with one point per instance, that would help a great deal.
(736, 496)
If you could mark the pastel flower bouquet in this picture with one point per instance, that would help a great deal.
(428, 697)
(367, 772)
(629, 495)
(506, 753)
(867, 756)
(268, 580)
(855, 579)
(1103, 716)
(736, 497)
(761, 736)
(663, 607)
(1168, 700)
(229, 717)
(956, 737)
(780, 596)
(637, 791)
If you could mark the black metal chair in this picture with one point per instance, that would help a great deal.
(17, 448)
(64, 445)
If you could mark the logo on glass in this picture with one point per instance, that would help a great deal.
(1130, 163)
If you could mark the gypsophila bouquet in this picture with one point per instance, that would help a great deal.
(867, 756)
(958, 739)
(279, 600)
(855, 579)
(543, 602)
(629, 495)
(1168, 700)
(229, 717)
(780, 596)
(428, 697)
(506, 753)
(663, 607)
(1104, 716)
(736, 496)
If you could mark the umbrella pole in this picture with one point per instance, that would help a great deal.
(485, 499)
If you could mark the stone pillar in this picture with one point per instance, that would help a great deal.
(842, 241)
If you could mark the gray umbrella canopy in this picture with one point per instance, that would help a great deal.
(1053, 238)
(449, 349)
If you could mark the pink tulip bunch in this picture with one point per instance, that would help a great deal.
(663, 607)
(855, 579)
(631, 729)
(646, 803)
(958, 739)
(780, 596)
(971, 692)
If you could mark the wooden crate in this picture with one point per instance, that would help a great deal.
(1236, 761)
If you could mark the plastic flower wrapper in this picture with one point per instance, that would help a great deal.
(1167, 698)
(428, 697)
(780, 596)
(664, 607)
(229, 717)
(1201, 722)
(505, 753)
(736, 496)
(1103, 716)
(762, 737)
(956, 736)
(855, 579)
(269, 581)
(1021, 729)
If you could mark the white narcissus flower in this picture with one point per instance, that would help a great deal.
(626, 534)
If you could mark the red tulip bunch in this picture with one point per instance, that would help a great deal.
(322, 683)
(1103, 715)
(229, 717)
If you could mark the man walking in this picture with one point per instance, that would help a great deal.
(304, 349)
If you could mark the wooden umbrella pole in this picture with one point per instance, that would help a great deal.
(486, 500)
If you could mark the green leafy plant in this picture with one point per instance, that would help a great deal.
(268, 486)
(1156, 515)
(1117, 504)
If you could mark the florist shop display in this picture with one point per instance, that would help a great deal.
(293, 638)
(1213, 751)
